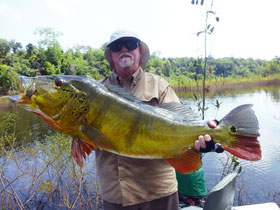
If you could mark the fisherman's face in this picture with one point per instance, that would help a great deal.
(126, 61)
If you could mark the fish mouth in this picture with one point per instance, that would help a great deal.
(26, 90)
(22, 84)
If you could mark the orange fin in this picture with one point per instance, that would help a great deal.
(80, 150)
(48, 120)
(246, 147)
(189, 162)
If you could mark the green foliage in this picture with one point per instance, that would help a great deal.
(8, 77)
(156, 65)
(230, 164)
(217, 105)
(271, 68)
(48, 69)
(4, 48)
(48, 58)
(48, 37)
(54, 147)
(199, 104)
(15, 46)
(236, 164)
(7, 130)
(42, 175)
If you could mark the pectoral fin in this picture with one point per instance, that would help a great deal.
(189, 162)
(48, 120)
(80, 150)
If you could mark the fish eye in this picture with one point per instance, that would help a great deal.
(58, 82)
(232, 129)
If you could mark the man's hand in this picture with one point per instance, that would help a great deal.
(206, 144)
(200, 143)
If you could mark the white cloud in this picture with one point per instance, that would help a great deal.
(7, 11)
(63, 7)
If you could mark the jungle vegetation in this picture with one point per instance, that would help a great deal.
(48, 57)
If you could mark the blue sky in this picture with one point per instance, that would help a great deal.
(247, 28)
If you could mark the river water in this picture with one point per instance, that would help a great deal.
(258, 182)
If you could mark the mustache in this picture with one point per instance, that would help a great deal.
(125, 54)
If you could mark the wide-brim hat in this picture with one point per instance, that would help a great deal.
(145, 52)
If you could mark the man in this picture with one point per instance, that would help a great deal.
(131, 183)
(191, 188)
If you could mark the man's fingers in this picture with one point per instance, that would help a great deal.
(206, 144)
(207, 137)
(209, 144)
(197, 145)
(202, 142)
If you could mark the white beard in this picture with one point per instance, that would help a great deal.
(126, 60)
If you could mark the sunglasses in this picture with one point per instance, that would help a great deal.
(130, 44)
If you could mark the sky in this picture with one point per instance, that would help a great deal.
(247, 28)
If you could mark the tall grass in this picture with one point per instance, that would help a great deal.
(185, 84)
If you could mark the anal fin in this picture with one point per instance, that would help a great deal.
(189, 162)
(80, 150)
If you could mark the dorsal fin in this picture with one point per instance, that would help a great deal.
(120, 91)
(182, 112)
(178, 111)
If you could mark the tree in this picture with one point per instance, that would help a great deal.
(48, 69)
(8, 77)
(53, 51)
(4, 48)
(167, 68)
(155, 65)
(271, 67)
(48, 37)
(223, 67)
(15, 46)
(31, 49)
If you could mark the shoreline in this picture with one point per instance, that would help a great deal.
(222, 86)
(210, 86)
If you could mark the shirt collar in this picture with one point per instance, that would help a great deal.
(132, 80)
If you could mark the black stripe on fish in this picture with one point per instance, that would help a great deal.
(133, 131)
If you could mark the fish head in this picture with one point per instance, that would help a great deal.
(55, 97)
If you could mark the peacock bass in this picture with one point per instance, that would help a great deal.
(111, 119)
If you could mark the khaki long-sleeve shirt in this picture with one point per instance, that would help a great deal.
(129, 181)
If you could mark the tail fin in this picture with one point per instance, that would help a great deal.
(243, 125)
(245, 120)
(246, 147)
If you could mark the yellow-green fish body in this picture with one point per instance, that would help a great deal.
(111, 119)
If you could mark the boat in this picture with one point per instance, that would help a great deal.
(222, 195)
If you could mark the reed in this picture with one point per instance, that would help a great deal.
(226, 84)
